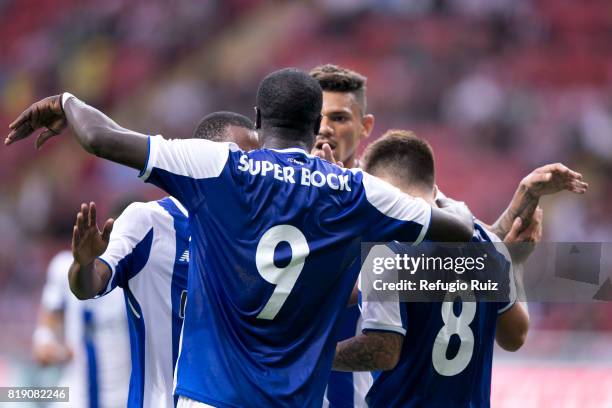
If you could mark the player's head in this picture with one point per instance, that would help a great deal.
(345, 122)
(289, 108)
(404, 160)
(226, 126)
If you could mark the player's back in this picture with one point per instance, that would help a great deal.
(447, 351)
(148, 255)
(277, 231)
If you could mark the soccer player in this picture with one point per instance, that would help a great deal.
(273, 233)
(411, 341)
(89, 338)
(147, 254)
(345, 124)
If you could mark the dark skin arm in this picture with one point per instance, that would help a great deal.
(451, 222)
(97, 133)
(87, 275)
(370, 351)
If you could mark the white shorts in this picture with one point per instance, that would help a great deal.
(185, 402)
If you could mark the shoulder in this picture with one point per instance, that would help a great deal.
(138, 212)
(140, 217)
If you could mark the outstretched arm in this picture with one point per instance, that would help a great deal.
(97, 133)
(549, 179)
(88, 276)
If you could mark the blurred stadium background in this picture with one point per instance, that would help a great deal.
(498, 87)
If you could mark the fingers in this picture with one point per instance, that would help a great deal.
(107, 229)
(82, 220)
(327, 153)
(533, 233)
(512, 235)
(80, 223)
(24, 130)
(43, 137)
(578, 187)
(25, 115)
(75, 238)
(91, 220)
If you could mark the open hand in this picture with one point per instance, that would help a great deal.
(88, 242)
(553, 178)
(46, 113)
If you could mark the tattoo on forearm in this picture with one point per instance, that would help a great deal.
(523, 205)
(368, 352)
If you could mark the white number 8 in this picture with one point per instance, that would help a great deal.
(455, 325)
(283, 278)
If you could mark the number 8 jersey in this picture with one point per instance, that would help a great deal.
(274, 233)
(447, 351)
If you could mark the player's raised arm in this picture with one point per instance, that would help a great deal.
(96, 132)
(88, 276)
(545, 180)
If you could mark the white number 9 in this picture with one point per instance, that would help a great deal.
(283, 278)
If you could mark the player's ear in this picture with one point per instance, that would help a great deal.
(317, 125)
(257, 118)
(367, 121)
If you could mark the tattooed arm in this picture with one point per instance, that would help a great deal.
(370, 351)
(549, 179)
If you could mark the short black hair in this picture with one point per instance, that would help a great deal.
(213, 126)
(403, 155)
(290, 99)
(334, 78)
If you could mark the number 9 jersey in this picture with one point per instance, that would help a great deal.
(274, 233)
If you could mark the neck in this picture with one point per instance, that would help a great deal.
(283, 138)
(351, 162)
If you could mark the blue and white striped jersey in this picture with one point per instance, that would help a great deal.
(148, 255)
(96, 330)
(273, 233)
(447, 352)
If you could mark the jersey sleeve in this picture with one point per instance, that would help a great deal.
(404, 218)
(381, 314)
(56, 287)
(179, 166)
(129, 246)
(483, 234)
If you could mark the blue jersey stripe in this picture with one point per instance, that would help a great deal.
(179, 273)
(137, 347)
(92, 366)
(129, 266)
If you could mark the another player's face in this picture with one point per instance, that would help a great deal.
(343, 126)
(245, 138)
